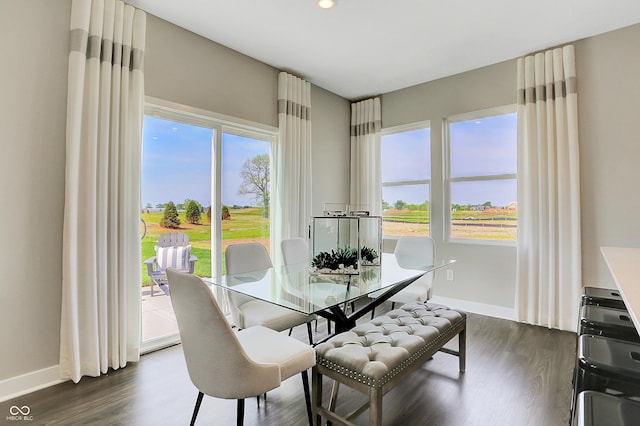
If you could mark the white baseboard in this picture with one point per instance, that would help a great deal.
(476, 308)
(30, 382)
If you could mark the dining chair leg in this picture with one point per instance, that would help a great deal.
(258, 399)
(310, 333)
(393, 305)
(290, 331)
(317, 393)
(307, 396)
(240, 420)
(373, 313)
(196, 409)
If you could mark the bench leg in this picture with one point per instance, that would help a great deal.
(375, 406)
(334, 396)
(462, 349)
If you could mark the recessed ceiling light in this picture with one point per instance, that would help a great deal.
(326, 4)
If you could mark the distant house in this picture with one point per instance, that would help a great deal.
(512, 206)
(152, 210)
(494, 209)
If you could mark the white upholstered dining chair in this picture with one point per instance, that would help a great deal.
(420, 290)
(245, 310)
(225, 364)
(294, 250)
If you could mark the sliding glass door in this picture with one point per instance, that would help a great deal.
(208, 179)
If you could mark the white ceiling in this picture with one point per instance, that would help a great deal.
(368, 47)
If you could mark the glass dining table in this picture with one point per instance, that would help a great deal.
(297, 287)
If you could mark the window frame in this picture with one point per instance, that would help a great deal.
(220, 124)
(418, 125)
(448, 180)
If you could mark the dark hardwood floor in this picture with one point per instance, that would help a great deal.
(516, 374)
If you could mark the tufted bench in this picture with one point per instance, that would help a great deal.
(374, 357)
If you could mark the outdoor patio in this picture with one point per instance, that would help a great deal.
(158, 319)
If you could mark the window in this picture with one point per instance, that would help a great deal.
(482, 175)
(406, 180)
(246, 188)
(176, 168)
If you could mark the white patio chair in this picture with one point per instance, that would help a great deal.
(172, 251)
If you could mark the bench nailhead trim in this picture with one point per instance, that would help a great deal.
(371, 382)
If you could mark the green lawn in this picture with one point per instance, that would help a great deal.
(421, 216)
(412, 216)
(245, 225)
(467, 224)
(479, 215)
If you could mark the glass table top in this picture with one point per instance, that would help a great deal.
(297, 288)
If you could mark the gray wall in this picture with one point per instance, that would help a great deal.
(185, 68)
(608, 71)
(33, 84)
(483, 273)
(330, 121)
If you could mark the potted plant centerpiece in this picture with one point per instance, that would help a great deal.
(342, 243)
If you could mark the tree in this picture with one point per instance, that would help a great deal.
(487, 204)
(420, 207)
(255, 180)
(170, 217)
(209, 214)
(148, 206)
(225, 213)
(385, 205)
(193, 211)
(399, 204)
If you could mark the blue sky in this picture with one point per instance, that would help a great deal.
(235, 151)
(478, 148)
(484, 147)
(177, 162)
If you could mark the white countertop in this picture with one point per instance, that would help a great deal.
(624, 264)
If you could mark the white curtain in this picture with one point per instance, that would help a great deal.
(366, 174)
(101, 283)
(549, 252)
(292, 162)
